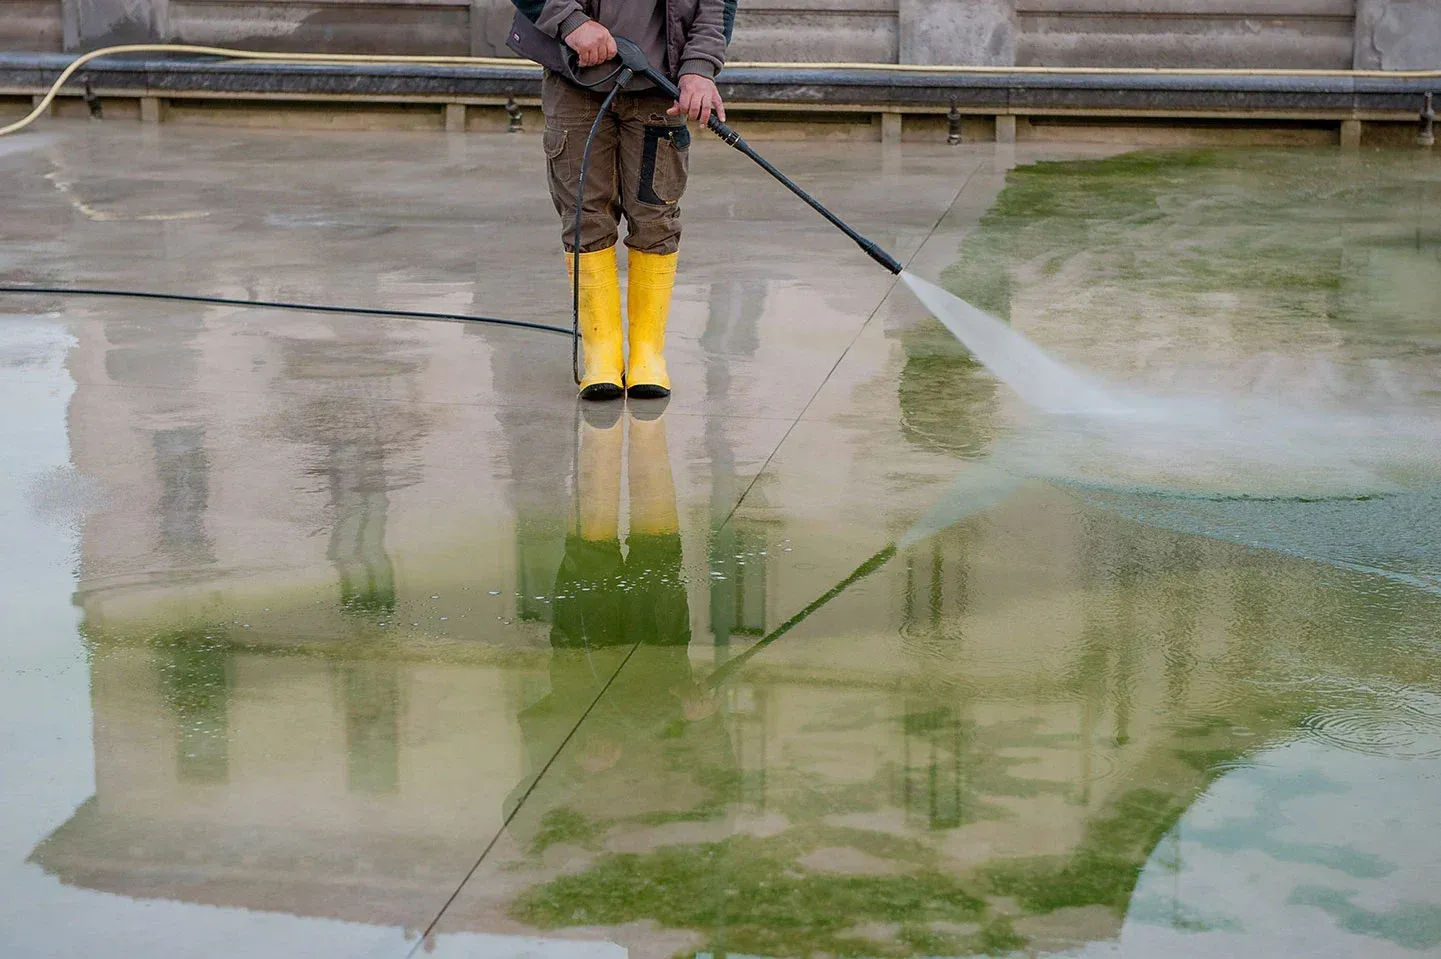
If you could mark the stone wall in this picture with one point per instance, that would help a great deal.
(1315, 34)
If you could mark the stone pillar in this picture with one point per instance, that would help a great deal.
(1398, 35)
(963, 32)
(87, 24)
(455, 118)
(890, 128)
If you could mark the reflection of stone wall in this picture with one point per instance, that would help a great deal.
(243, 779)
(1023, 707)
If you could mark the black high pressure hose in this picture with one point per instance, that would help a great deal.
(282, 305)
(621, 76)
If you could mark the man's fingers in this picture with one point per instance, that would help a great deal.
(720, 109)
(704, 117)
(609, 48)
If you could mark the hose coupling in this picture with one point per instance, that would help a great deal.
(727, 135)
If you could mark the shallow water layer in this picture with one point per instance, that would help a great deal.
(349, 638)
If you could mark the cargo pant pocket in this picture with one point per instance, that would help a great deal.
(665, 160)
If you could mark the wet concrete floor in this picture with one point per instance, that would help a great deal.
(337, 636)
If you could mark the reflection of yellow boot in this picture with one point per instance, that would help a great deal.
(652, 488)
(599, 324)
(652, 276)
(597, 476)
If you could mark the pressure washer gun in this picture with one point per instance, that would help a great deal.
(633, 62)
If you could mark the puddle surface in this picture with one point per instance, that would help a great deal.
(321, 642)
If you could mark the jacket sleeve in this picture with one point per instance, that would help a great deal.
(705, 47)
(556, 18)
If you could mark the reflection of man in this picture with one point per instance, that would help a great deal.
(654, 743)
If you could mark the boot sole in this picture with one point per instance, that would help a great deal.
(600, 392)
(647, 391)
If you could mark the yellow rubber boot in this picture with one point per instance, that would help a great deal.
(652, 277)
(600, 334)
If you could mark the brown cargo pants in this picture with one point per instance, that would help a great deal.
(638, 166)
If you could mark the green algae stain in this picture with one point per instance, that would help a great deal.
(1104, 867)
(1272, 236)
(1292, 232)
(196, 672)
(564, 826)
(747, 898)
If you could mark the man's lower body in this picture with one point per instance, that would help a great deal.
(638, 165)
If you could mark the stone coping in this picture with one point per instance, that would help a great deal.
(798, 86)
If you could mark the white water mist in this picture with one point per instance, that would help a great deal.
(1040, 379)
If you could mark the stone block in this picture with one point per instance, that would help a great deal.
(152, 110)
(1398, 35)
(489, 26)
(890, 128)
(815, 35)
(455, 118)
(963, 32)
(30, 25)
(1350, 134)
(1244, 34)
(88, 24)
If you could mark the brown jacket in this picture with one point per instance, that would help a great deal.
(695, 32)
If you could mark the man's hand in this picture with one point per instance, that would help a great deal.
(698, 97)
(592, 42)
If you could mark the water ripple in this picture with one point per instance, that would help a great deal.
(1398, 730)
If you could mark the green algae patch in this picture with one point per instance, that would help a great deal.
(1256, 247)
(1104, 868)
(1294, 233)
(746, 898)
(565, 826)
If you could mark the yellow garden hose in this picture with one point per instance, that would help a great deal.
(234, 54)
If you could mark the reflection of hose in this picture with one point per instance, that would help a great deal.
(513, 63)
(861, 572)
